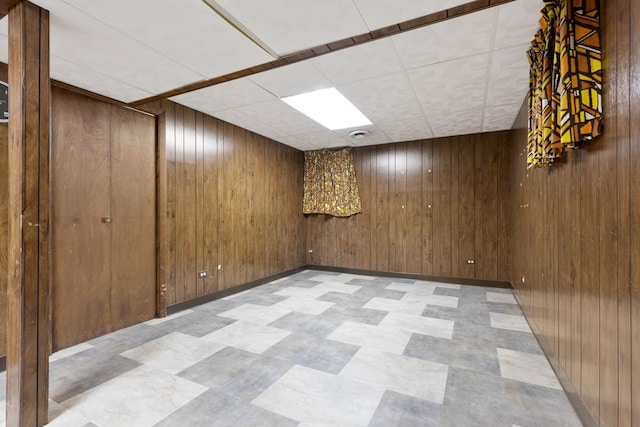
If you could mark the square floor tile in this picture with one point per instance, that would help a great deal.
(407, 375)
(317, 398)
(313, 352)
(126, 401)
(256, 314)
(527, 368)
(419, 324)
(159, 320)
(423, 289)
(381, 338)
(304, 305)
(504, 298)
(85, 370)
(69, 351)
(238, 373)
(400, 410)
(59, 416)
(214, 409)
(247, 336)
(173, 353)
(403, 305)
(509, 321)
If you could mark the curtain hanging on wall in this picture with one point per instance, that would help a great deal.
(565, 80)
(330, 185)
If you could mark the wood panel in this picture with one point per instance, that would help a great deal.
(576, 240)
(419, 210)
(233, 199)
(81, 194)
(28, 259)
(4, 231)
(133, 212)
(104, 273)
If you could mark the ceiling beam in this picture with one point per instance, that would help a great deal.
(324, 49)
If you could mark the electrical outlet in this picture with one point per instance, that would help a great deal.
(310, 251)
(202, 274)
(471, 261)
(219, 266)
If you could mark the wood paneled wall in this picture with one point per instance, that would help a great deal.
(4, 218)
(576, 246)
(232, 198)
(427, 207)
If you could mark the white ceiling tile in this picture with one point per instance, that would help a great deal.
(451, 86)
(324, 138)
(236, 93)
(199, 102)
(81, 39)
(79, 76)
(385, 97)
(288, 26)
(500, 117)
(509, 76)
(456, 38)
(199, 38)
(518, 22)
(242, 120)
(360, 62)
(381, 13)
(293, 79)
(281, 116)
(406, 129)
(461, 123)
(376, 136)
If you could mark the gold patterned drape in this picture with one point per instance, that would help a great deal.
(565, 80)
(330, 185)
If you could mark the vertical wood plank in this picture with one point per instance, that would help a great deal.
(199, 204)
(382, 208)
(29, 268)
(620, 18)
(504, 235)
(4, 226)
(489, 202)
(161, 216)
(467, 208)
(172, 203)
(190, 213)
(210, 203)
(456, 262)
(399, 240)
(239, 201)
(634, 208)
(589, 274)
(414, 206)
(427, 208)
(180, 205)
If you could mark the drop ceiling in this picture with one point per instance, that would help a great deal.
(459, 76)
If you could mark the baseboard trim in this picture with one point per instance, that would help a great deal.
(453, 280)
(185, 305)
(3, 363)
(587, 419)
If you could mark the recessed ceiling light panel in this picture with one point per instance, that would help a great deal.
(329, 108)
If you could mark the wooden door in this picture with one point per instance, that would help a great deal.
(80, 183)
(103, 192)
(133, 227)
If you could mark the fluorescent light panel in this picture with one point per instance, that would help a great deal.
(329, 108)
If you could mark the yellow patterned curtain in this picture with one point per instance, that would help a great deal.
(565, 80)
(330, 185)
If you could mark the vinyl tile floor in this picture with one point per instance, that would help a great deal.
(317, 349)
